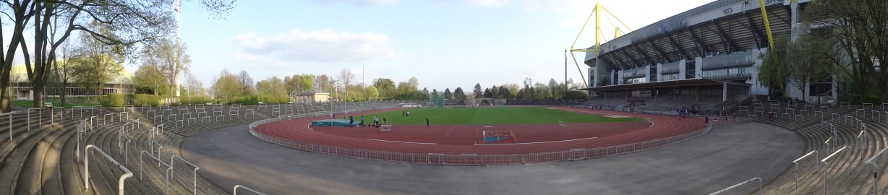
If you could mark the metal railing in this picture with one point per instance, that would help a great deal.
(475, 159)
(120, 182)
(194, 180)
(759, 179)
(234, 191)
(9, 114)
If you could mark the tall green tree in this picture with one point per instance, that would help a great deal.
(775, 70)
(386, 87)
(126, 22)
(458, 94)
(227, 86)
(447, 94)
(860, 29)
(477, 91)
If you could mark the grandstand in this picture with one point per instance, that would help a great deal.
(51, 151)
(706, 57)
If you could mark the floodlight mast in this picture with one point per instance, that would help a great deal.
(597, 13)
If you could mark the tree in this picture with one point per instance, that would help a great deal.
(806, 60)
(372, 92)
(149, 80)
(64, 71)
(494, 92)
(553, 88)
(126, 21)
(386, 87)
(458, 94)
(860, 29)
(447, 94)
(774, 70)
(414, 83)
(487, 93)
(513, 89)
(346, 77)
(98, 64)
(271, 87)
(246, 83)
(169, 60)
(323, 83)
(193, 85)
(541, 91)
(477, 91)
(227, 86)
(306, 82)
(504, 92)
(291, 84)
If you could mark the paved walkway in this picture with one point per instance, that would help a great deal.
(725, 156)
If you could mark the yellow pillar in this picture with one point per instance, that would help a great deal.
(597, 27)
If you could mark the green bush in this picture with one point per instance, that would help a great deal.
(146, 99)
(253, 100)
(854, 99)
(113, 100)
(194, 100)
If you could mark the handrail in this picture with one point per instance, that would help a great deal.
(826, 167)
(9, 114)
(194, 185)
(872, 164)
(740, 184)
(168, 170)
(246, 188)
(120, 182)
(29, 117)
(796, 165)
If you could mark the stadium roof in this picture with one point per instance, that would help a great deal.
(723, 26)
(662, 84)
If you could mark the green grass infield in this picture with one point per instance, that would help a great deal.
(489, 116)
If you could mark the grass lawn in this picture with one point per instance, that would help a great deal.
(490, 116)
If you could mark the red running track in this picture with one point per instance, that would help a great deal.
(467, 139)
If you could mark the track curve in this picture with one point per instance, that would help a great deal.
(662, 127)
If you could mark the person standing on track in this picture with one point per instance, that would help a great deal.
(375, 120)
(427, 121)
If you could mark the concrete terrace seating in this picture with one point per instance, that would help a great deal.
(43, 160)
(847, 172)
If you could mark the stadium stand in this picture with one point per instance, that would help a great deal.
(46, 152)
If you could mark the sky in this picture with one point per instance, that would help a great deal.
(443, 43)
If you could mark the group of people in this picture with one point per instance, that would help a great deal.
(351, 121)
(686, 112)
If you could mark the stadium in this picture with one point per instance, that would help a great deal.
(626, 139)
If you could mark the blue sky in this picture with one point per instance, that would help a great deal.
(443, 43)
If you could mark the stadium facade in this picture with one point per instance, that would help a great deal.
(714, 50)
(20, 86)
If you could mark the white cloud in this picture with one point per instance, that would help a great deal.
(316, 46)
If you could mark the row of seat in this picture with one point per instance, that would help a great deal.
(845, 172)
